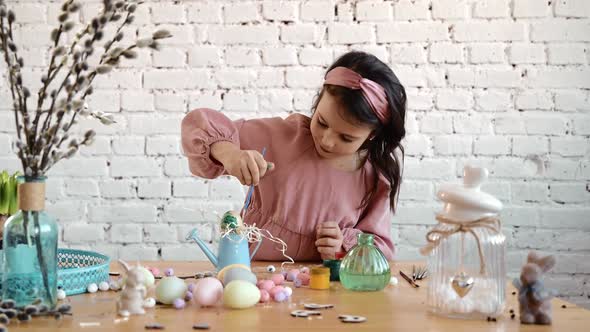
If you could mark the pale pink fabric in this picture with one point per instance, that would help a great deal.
(301, 192)
(373, 92)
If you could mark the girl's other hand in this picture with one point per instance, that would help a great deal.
(329, 239)
(248, 166)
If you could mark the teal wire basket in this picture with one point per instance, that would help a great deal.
(79, 268)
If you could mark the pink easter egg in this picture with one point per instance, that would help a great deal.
(304, 269)
(288, 291)
(264, 296)
(191, 287)
(280, 297)
(267, 285)
(155, 271)
(304, 277)
(275, 290)
(292, 274)
(208, 292)
(278, 279)
(179, 303)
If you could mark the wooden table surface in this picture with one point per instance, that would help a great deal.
(397, 308)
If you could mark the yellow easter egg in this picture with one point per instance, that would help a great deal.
(148, 277)
(240, 294)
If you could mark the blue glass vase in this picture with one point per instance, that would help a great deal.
(30, 249)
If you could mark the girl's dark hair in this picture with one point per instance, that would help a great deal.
(387, 137)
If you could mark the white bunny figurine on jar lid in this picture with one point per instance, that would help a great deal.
(466, 251)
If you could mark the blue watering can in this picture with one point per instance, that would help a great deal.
(233, 249)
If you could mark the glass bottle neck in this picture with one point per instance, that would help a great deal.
(364, 238)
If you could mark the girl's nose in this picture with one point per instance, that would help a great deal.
(327, 140)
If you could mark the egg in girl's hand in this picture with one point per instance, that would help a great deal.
(238, 273)
(240, 294)
(208, 292)
(170, 289)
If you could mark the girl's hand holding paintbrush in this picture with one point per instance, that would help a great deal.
(248, 166)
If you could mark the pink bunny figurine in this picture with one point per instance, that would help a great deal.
(534, 300)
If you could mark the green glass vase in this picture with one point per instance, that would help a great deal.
(30, 249)
(364, 268)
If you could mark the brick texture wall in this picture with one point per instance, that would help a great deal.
(499, 83)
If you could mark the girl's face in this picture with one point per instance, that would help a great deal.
(335, 135)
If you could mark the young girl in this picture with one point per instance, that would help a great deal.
(323, 179)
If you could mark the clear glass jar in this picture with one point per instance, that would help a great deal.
(464, 281)
(487, 295)
(364, 268)
(30, 249)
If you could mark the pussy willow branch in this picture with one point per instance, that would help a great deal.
(13, 87)
(51, 72)
(76, 87)
(40, 141)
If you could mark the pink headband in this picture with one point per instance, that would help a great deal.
(373, 92)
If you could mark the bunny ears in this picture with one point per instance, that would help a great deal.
(373, 92)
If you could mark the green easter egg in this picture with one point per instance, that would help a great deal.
(231, 220)
(170, 289)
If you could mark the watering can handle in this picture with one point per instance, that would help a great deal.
(256, 249)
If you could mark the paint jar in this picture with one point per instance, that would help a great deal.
(334, 266)
(320, 278)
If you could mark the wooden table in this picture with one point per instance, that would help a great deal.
(397, 308)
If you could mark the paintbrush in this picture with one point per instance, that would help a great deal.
(408, 279)
(250, 191)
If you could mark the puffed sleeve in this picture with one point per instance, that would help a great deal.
(376, 220)
(199, 130)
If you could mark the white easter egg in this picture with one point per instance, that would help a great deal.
(170, 289)
(240, 294)
(104, 286)
(150, 302)
(61, 294)
(92, 288)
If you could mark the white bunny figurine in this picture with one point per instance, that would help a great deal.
(131, 300)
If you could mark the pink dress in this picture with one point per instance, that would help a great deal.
(301, 192)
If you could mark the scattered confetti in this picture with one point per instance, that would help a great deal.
(305, 313)
(352, 319)
(154, 326)
(315, 306)
(201, 327)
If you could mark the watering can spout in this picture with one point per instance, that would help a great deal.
(193, 234)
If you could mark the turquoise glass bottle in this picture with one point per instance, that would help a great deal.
(364, 268)
(30, 249)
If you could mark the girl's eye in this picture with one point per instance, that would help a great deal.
(322, 124)
(347, 140)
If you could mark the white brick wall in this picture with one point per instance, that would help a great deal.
(499, 83)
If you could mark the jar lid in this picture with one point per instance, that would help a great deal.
(467, 202)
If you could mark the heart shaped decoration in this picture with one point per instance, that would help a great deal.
(462, 284)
